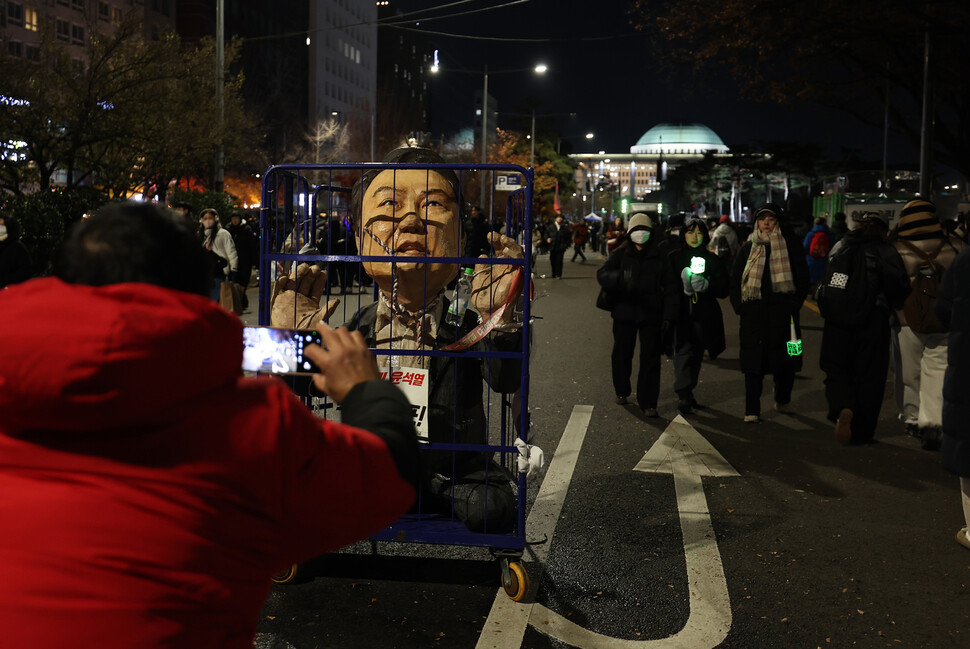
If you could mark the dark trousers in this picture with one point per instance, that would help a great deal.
(624, 342)
(578, 250)
(784, 378)
(688, 354)
(555, 258)
(856, 363)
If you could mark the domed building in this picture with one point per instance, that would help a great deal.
(678, 140)
(641, 171)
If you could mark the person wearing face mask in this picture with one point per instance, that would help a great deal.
(634, 277)
(15, 262)
(218, 243)
(698, 278)
(769, 282)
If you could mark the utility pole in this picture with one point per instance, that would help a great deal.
(481, 200)
(926, 133)
(220, 176)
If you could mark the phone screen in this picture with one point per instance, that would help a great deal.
(278, 351)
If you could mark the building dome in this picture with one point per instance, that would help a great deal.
(679, 139)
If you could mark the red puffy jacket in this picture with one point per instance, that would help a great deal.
(149, 490)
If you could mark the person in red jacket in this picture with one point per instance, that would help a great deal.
(150, 490)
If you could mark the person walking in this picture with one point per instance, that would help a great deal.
(580, 231)
(953, 309)
(634, 277)
(614, 234)
(817, 244)
(695, 288)
(247, 252)
(222, 251)
(769, 282)
(920, 339)
(559, 238)
(863, 283)
(724, 240)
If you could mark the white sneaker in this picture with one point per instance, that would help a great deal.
(752, 419)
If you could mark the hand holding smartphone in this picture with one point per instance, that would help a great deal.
(278, 351)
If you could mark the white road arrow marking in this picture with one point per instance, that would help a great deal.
(684, 453)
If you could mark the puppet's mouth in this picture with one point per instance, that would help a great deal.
(411, 248)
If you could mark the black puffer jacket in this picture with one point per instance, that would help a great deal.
(953, 308)
(635, 280)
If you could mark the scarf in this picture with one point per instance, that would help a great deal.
(782, 280)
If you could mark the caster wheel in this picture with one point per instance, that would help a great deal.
(516, 584)
(287, 575)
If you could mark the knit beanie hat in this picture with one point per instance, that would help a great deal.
(918, 221)
(768, 209)
(640, 220)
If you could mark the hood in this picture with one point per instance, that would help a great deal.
(77, 358)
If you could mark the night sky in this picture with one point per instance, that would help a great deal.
(614, 85)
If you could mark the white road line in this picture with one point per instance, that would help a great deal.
(507, 621)
(688, 457)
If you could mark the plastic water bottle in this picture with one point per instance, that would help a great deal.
(456, 310)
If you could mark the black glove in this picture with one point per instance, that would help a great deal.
(231, 276)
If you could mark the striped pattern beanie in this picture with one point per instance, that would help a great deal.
(918, 221)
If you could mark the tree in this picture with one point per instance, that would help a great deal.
(134, 115)
(835, 53)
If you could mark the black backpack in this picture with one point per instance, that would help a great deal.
(846, 294)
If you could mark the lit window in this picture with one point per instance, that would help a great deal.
(30, 19)
(115, 15)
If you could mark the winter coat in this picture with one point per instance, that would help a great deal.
(635, 280)
(704, 314)
(223, 246)
(952, 246)
(725, 238)
(765, 327)
(15, 262)
(562, 238)
(953, 308)
(151, 490)
(456, 413)
(816, 265)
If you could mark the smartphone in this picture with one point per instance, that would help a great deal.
(278, 351)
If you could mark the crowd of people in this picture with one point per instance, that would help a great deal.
(889, 297)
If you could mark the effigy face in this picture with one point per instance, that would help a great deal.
(410, 213)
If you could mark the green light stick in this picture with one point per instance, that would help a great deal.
(795, 344)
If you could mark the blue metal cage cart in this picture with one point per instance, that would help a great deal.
(310, 214)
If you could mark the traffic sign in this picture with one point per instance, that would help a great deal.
(507, 182)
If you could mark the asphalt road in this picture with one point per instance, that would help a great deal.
(819, 545)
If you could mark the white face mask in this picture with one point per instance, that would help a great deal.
(640, 237)
(3, 232)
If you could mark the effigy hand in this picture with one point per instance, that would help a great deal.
(492, 283)
(296, 299)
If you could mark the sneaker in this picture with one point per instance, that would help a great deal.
(843, 427)
(962, 538)
(650, 412)
(752, 419)
(930, 438)
(621, 400)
